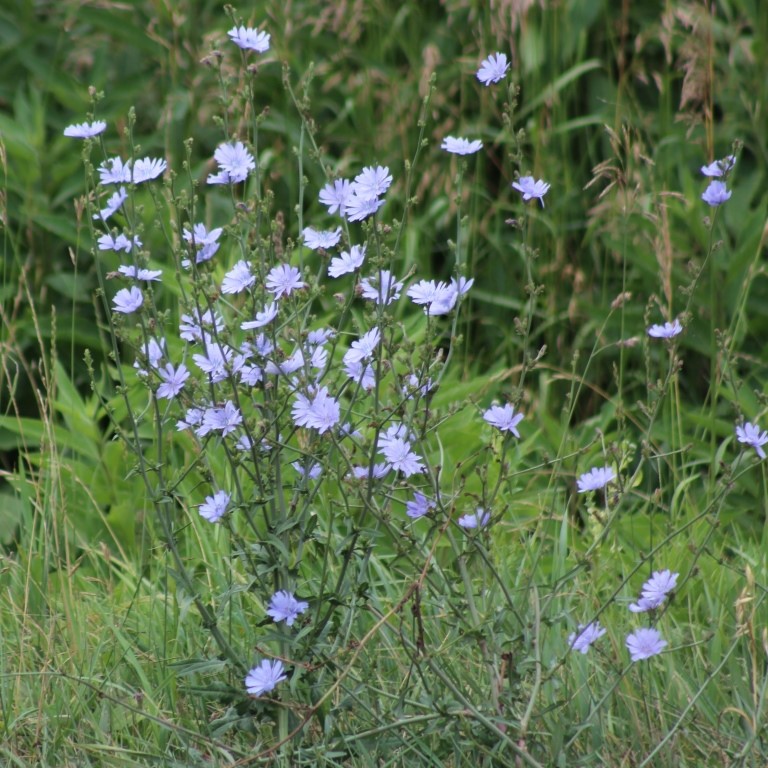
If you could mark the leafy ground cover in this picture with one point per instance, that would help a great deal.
(585, 586)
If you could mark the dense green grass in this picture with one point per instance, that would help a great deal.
(422, 645)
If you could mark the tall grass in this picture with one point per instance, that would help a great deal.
(426, 644)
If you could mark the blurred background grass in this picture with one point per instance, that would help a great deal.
(616, 105)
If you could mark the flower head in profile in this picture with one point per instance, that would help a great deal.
(750, 434)
(140, 273)
(383, 288)
(418, 506)
(85, 130)
(315, 239)
(215, 506)
(265, 317)
(148, 168)
(504, 418)
(530, 188)
(719, 167)
(595, 479)
(477, 520)
(666, 331)
(128, 300)
(716, 194)
(644, 643)
(359, 207)
(655, 591)
(459, 146)
(349, 261)
(264, 677)
(249, 39)
(283, 606)
(204, 242)
(364, 348)
(584, 636)
(493, 69)
(114, 171)
(238, 278)
(114, 203)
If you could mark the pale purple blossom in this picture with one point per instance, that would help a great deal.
(283, 606)
(153, 352)
(335, 194)
(114, 203)
(215, 360)
(584, 636)
(114, 171)
(139, 273)
(249, 39)
(362, 373)
(655, 591)
(192, 418)
(376, 472)
(85, 130)
(595, 479)
(215, 506)
(286, 366)
(372, 182)
(364, 348)
(148, 168)
(204, 242)
(173, 381)
(359, 207)
(479, 519)
(120, 243)
(348, 261)
(283, 279)
(504, 418)
(192, 327)
(321, 412)
(266, 316)
(419, 505)
(382, 288)
(530, 188)
(224, 419)
(264, 677)
(750, 434)
(311, 472)
(315, 239)
(128, 300)
(235, 163)
(493, 69)
(251, 375)
(399, 455)
(238, 278)
(716, 194)
(644, 643)
(719, 167)
(415, 386)
(459, 146)
(667, 330)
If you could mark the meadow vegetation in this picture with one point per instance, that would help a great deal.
(471, 475)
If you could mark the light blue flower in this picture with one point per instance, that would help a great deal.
(264, 677)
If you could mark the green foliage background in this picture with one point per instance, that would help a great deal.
(617, 106)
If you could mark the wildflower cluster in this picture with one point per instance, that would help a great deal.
(290, 364)
(643, 642)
